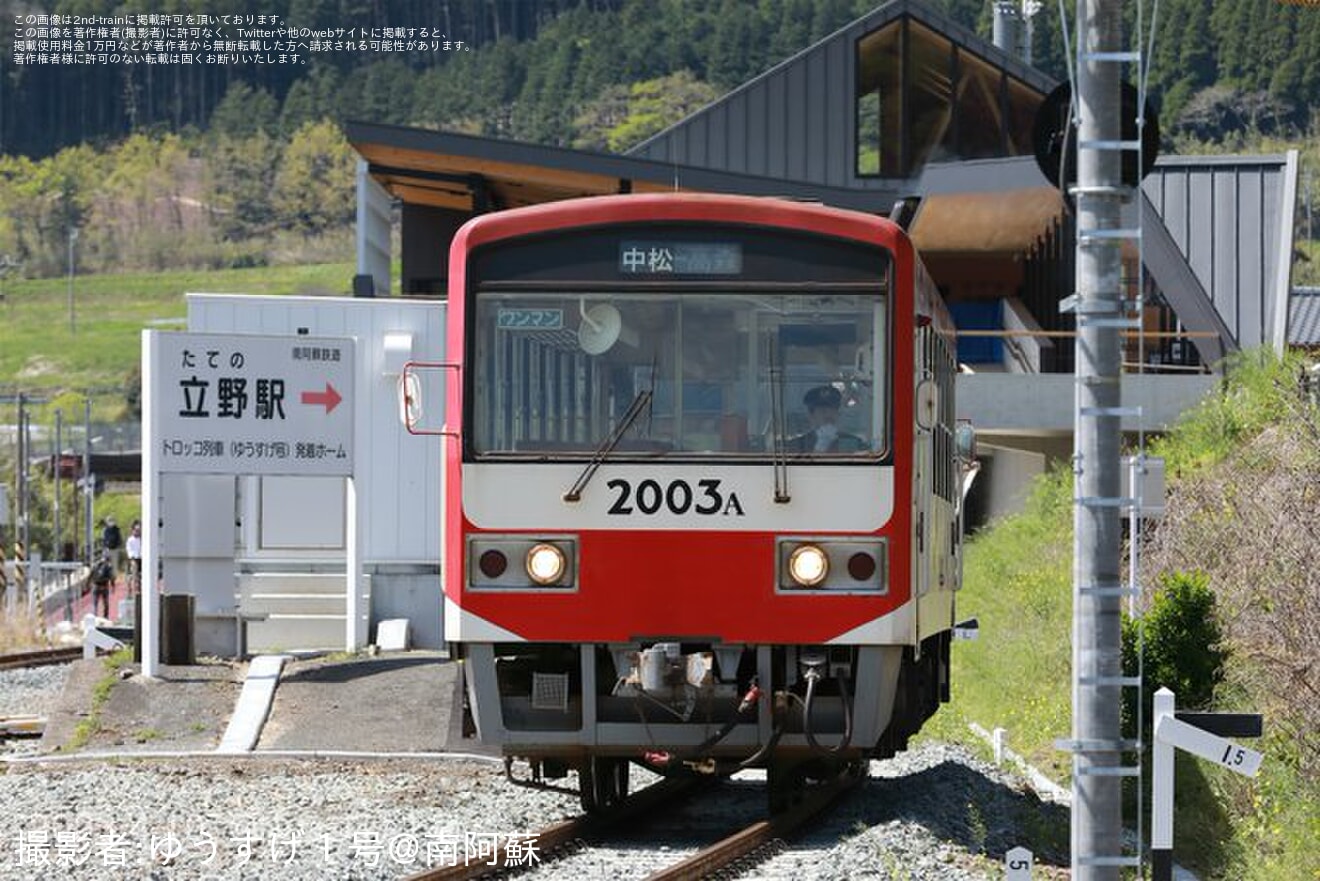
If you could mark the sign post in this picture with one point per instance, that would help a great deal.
(4, 565)
(242, 405)
(1172, 732)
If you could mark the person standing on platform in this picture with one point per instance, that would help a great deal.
(103, 573)
(112, 540)
(133, 548)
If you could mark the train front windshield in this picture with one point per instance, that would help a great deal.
(737, 374)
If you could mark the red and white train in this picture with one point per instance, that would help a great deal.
(702, 488)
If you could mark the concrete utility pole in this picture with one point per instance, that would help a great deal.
(1097, 819)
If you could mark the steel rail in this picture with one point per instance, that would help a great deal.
(558, 837)
(39, 658)
(22, 726)
(761, 835)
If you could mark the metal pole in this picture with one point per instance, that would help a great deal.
(1308, 203)
(4, 521)
(18, 469)
(57, 543)
(1137, 490)
(89, 483)
(24, 502)
(56, 460)
(73, 237)
(1097, 670)
(1029, 10)
(1005, 28)
(149, 628)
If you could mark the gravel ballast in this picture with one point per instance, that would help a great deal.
(31, 690)
(934, 813)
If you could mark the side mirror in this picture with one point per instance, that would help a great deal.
(420, 380)
(964, 441)
(410, 399)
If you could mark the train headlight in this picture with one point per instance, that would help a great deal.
(545, 564)
(808, 565)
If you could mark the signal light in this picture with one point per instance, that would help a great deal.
(861, 566)
(493, 563)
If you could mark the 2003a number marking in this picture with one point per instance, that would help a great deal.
(677, 497)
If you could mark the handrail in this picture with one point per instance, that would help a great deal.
(1071, 334)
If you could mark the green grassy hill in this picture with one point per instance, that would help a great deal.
(1258, 436)
(40, 353)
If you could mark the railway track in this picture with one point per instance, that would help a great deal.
(560, 837)
(22, 726)
(39, 658)
(725, 858)
(760, 839)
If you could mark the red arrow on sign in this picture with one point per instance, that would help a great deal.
(329, 398)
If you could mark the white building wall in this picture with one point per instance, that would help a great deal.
(1008, 474)
(397, 474)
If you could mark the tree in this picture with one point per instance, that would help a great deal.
(736, 48)
(623, 116)
(240, 181)
(141, 209)
(383, 91)
(545, 98)
(314, 181)
(46, 199)
(312, 97)
(244, 111)
(789, 24)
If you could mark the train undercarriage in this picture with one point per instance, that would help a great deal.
(800, 712)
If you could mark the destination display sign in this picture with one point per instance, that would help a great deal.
(680, 258)
(655, 252)
(243, 404)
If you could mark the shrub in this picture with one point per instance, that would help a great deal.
(1184, 649)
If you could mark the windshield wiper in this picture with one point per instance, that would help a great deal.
(778, 443)
(640, 404)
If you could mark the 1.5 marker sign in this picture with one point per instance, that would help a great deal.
(1211, 747)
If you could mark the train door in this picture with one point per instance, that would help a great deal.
(926, 414)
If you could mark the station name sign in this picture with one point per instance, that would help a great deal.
(244, 404)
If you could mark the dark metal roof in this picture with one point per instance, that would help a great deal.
(981, 176)
(797, 120)
(475, 174)
(1304, 317)
(1232, 219)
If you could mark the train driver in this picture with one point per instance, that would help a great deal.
(822, 403)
